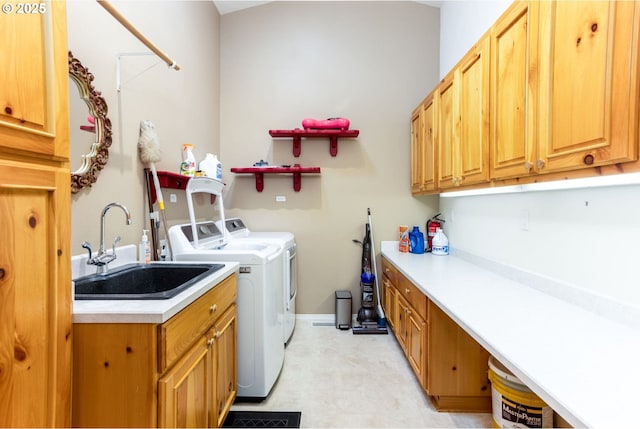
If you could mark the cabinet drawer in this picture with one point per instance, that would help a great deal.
(390, 271)
(413, 295)
(177, 334)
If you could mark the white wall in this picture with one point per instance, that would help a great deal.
(588, 238)
(371, 62)
(461, 25)
(182, 104)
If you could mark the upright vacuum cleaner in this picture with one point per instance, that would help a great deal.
(371, 321)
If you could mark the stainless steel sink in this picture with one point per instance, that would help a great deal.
(142, 281)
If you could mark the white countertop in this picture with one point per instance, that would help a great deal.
(583, 365)
(147, 311)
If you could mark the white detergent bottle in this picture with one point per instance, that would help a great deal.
(211, 166)
(144, 248)
(440, 243)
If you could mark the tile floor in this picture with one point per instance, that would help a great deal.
(340, 380)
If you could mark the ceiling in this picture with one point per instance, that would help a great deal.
(228, 6)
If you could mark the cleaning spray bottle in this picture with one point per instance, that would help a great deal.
(144, 248)
(188, 165)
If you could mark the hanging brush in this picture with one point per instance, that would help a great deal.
(149, 151)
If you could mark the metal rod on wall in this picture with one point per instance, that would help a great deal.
(133, 30)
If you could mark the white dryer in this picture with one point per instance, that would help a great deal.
(238, 232)
(259, 300)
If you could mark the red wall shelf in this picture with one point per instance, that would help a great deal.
(297, 134)
(259, 172)
(169, 180)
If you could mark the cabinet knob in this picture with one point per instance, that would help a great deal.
(407, 290)
(218, 334)
(210, 342)
(213, 308)
(588, 159)
(540, 164)
(528, 165)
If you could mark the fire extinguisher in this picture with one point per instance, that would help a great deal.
(432, 226)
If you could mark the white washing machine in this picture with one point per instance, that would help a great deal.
(259, 301)
(239, 232)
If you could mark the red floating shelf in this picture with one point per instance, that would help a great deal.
(169, 180)
(259, 172)
(297, 134)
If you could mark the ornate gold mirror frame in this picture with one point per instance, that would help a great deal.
(96, 158)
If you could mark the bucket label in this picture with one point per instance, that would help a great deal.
(521, 415)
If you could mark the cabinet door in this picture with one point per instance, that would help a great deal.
(35, 296)
(447, 132)
(588, 83)
(416, 149)
(402, 321)
(514, 91)
(34, 87)
(389, 301)
(417, 345)
(473, 153)
(183, 391)
(429, 143)
(224, 364)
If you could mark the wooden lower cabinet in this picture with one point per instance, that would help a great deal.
(182, 373)
(449, 364)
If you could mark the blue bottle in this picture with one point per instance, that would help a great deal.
(416, 240)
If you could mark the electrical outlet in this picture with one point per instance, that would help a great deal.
(280, 198)
(173, 198)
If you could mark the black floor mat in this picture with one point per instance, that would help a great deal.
(262, 419)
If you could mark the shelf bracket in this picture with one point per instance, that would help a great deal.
(333, 145)
(297, 146)
(259, 181)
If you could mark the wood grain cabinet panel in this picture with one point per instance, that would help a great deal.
(417, 136)
(34, 85)
(35, 214)
(588, 63)
(514, 91)
(424, 146)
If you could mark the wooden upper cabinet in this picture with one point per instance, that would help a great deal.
(588, 83)
(429, 142)
(473, 116)
(463, 120)
(416, 149)
(513, 91)
(447, 132)
(34, 86)
(423, 146)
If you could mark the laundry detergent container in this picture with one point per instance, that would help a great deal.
(514, 404)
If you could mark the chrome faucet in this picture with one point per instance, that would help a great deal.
(102, 259)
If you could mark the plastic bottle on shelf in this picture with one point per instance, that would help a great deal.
(211, 166)
(440, 243)
(188, 165)
(144, 248)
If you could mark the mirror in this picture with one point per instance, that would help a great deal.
(90, 128)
